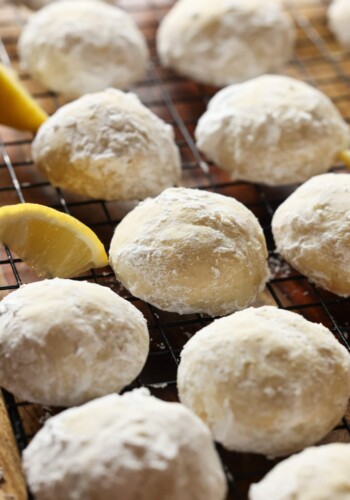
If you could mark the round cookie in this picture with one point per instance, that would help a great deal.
(312, 231)
(265, 380)
(320, 473)
(302, 3)
(130, 447)
(339, 20)
(107, 145)
(39, 4)
(65, 342)
(77, 47)
(191, 251)
(273, 130)
(220, 42)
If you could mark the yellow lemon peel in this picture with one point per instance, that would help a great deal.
(17, 108)
(54, 244)
(344, 157)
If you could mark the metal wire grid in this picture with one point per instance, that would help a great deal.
(319, 61)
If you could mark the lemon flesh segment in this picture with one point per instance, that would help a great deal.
(17, 108)
(54, 244)
(344, 156)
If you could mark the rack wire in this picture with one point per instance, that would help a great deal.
(319, 61)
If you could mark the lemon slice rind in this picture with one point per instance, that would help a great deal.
(18, 109)
(344, 157)
(53, 243)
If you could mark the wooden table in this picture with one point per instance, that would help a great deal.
(12, 484)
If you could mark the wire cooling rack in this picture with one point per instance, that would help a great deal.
(319, 61)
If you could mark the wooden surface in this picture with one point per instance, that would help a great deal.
(12, 485)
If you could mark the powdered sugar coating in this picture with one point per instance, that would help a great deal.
(191, 251)
(265, 380)
(39, 4)
(339, 20)
(107, 145)
(65, 342)
(77, 47)
(302, 3)
(273, 130)
(225, 41)
(130, 447)
(312, 231)
(318, 473)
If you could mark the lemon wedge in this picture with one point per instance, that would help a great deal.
(17, 108)
(54, 244)
(344, 156)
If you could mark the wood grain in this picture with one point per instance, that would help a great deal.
(12, 484)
